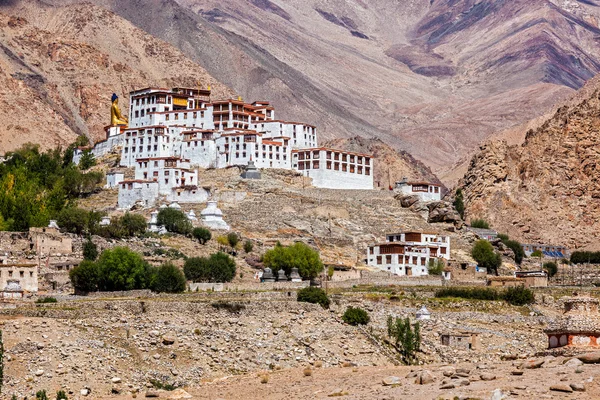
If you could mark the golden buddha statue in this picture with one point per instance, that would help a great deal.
(115, 113)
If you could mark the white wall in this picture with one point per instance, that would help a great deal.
(146, 191)
(330, 179)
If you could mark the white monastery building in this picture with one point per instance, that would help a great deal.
(408, 253)
(171, 133)
(425, 190)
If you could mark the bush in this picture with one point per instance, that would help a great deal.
(469, 293)
(231, 307)
(518, 296)
(90, 250)
(407, 339)
(551, 268)
(174, 221)
(73, 220)
(85, 276)
(537, 254)
(219, 267)
(585, 257)
(248, 246)
(133, 224)
(356, 316)
(480, 223)
(503, 237)
(483, 252)
(313, 295)
(435, 267)
(45, 300)
(459, 204)
(299, 255)
(87, 160)
(517, 250)
(202, 235)
(168, 279)
(41, 395)
(233, 239)
(61, 395)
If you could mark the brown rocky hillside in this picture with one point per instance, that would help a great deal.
(547, 189)
(60, 65)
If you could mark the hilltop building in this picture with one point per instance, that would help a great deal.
(408, 253)
(425, 190)
(547, 250)
(171, 133)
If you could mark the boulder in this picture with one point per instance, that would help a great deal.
(487, 377)
(574, 363)
(168, 340)
(532, 364)
(407, 200)
(577, 387)
(424, 377)
(179, 394)
(448, 371)
(590, 358)
(561, 388)
(391, 381)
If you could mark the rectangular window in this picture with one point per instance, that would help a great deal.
(388, 259)
(379, 260)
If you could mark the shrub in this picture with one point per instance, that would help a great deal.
(162, 385)
(480, 223)
(551, 268)
(90, 250)
(483, 252)
(219, 267)
(85, 276)
(41, 395)
(503, 237)
(299, 255)
(202, 235)
(73, 220)
(133, 224)
(46, 300)
(518, 296)
(307, 371)
(459, 204)
(564, 261)
(87, 160)
(168, 279)
(61, 395)
(233, 239)
(174, 221)
(469, 293)
(313, 295)
(517, 250)
(356, 316)
(537, 254)
(406, 338)
(248, 246)
(435, 267)
(585, 257)
(231, 307)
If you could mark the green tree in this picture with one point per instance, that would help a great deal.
(483, 252)
(248, 246)
(202, 235)
(168, 279)
(406, 338)
(219, 267)
(233, 239)
(197, 269)
(537, 254)
(174, 221)
(356, 316)
(551, 268)
(87, 160)
(435, 266)
(298, 255)
(517, 250)
(122, 269)
(459, 204)
(518, 296)
(503, 237)
(313, 295)
(480, 223)
(85, 277)
(74, 220)
(133, 224)
(90, 250)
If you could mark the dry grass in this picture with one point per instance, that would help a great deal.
(264, 378)
(318, 364)
(307, 371)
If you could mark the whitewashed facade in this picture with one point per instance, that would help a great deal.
(408, 253)
(425, 190)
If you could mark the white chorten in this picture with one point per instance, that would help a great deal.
(212, 217)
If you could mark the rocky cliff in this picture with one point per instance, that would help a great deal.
(548, 189)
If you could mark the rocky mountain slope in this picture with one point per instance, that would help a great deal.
(433, 78)
(546, 190)
(59, 66)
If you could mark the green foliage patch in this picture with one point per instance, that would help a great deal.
(313, 295)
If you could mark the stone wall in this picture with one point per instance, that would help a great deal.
(388, 281)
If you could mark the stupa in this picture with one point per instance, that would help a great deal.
(268, 275)
(578, 327)
(281, 277)
(295, 276)
(423, 313)
(212, 217)
(251, 171)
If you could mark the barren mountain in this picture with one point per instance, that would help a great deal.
(60, 65)
(548, 189)
(434, 78)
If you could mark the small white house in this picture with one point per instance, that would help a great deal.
(425, 190)
(113, 179)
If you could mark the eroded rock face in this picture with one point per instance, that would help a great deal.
(546, 190)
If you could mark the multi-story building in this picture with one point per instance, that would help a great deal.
(425, 190)
(408, 253)
(182, 127)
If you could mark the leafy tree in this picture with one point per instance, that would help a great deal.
(551, 268)
(585, 257)
(537, 254)
(330, 272)
(518, 296)
(122, 269)
(133, 224)
(407, 338)
(503, 237)
(90, 250)
(87, 160)
(248, 246)
(313, 295)
(174, 221)
(74, 220)
(233, 239)
(517, 250)
(483, 252)
(85, 276)
(480, 223)
(435, 267)
(219, 267)
(223, 242)
(356, 316)
(203, 235)
(298, 255)
(168, 279)
(459, 204)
